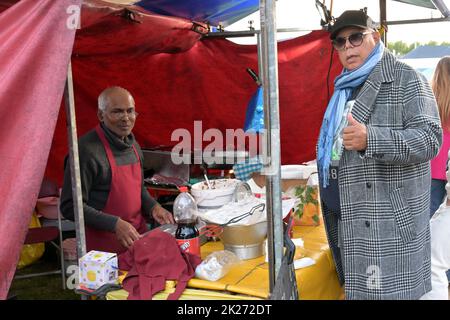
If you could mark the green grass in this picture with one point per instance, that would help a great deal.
(42, 287)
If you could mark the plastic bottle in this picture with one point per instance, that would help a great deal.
(187, 235)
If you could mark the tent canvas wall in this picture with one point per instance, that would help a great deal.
(36, 47)
(175, 79)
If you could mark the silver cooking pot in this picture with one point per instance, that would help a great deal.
(247, 242)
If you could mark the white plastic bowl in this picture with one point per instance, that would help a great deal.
(292, 171)
(214, 198)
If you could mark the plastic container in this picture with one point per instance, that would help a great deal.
(48, 207)
(70, 253)
(221, 194)
(184, 206)
(184, 211)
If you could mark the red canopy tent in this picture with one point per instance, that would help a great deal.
(174, 75)
(177, 78)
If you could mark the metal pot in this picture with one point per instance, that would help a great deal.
(247, 242)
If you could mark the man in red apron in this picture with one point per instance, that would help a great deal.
(115, 200)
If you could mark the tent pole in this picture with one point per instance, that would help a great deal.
(74, 163)
(383, 19)
(260, 61)
(250, 33)
(414, 21)
(272, 166)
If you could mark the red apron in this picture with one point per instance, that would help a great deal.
(124, 201)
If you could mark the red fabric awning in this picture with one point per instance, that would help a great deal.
(35, 51)
(176, 78)
(207, 83)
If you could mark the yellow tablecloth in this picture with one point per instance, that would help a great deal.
(250, 279)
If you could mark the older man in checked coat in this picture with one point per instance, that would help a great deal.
(375, 171)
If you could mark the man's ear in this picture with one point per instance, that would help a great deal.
(376, 36)
(100, 115)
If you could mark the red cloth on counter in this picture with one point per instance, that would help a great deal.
(151, 261)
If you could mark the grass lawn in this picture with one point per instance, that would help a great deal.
(42, 287)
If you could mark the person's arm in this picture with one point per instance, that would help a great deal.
(421, 136)
(93, 218)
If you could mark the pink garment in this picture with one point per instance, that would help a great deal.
(36, 45)
(439, 163)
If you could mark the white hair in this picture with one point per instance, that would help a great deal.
(103, 98)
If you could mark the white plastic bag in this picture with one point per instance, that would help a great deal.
(216, 265)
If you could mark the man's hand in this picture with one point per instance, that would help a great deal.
(161, 215)
(354, 135)
(126, 233)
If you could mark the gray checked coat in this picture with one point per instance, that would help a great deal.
(381, 247)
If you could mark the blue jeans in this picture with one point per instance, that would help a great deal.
(437, 194)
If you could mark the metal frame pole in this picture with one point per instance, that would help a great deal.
(413, 21)
(442, 7)
(61, 250)
(74, 164)
(383, 19)
(260, 61)
(250, 33)
(271, 110)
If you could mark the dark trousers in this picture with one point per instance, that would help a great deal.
(437, 194)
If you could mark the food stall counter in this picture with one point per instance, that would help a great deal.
(250, 278)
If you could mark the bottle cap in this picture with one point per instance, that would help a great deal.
(183, 189)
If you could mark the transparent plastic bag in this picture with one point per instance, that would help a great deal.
(338, 140)
(216, 265)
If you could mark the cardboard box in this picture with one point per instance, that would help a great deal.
(286, 184)
(97, 268)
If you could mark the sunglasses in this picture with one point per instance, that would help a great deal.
(355, 40)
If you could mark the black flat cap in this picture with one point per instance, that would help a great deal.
(352, 18)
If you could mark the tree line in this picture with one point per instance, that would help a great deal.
(401, 48)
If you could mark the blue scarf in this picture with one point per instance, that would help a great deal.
(344, 85)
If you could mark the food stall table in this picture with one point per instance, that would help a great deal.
(250, 279)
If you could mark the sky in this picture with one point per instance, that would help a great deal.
(303, 14)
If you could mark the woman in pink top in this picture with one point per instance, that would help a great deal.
(441, 88)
